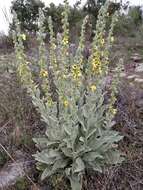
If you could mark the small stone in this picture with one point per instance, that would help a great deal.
(136, 58)
(139, 80)
(139, 68)
(122, 75)
(139, 103)
(132, 77)
(132, 84)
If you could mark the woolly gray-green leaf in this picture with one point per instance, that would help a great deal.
(40, 142)
(91, 156)
(60, 164)
(47, 172)
(47, 156)
(78, 166)
(75, 182)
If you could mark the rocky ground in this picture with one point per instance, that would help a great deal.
(17, 167)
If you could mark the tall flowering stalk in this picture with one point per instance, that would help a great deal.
(23, 69)
(99, 42)
(78, 66)
(44, 84)
(53, 45)
(79, 135)
(40, 38)
(65, 34)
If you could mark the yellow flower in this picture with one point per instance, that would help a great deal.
(102, 41)
(76, 72)
(100, 70)
(65, 40)
(23, 36)
(81, 61)
(54, 46)
(19, 57)
(43, 73)
(96, 65)
(54, 60)
(96, 62)
(93, 88)
(112, 39)
(50, 102)
(27, 62)
(66, 103)
(64, 76)
(114, 111)
(113, 99)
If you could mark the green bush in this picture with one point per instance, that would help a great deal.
(135, 13)
(129, 24)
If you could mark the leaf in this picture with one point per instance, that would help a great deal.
(68, 171)
(53, 121)
(68, 128)
(51, 144)
(76, 183)
(114, 157)
(50, 170)
(91, 156)
(82, 139)
(47, 172)
(80, 150)
(78, 166)
(47, 156)
(86, 110)
(81, 119)
(68, 142)
(41, 142)
(60, 164)
(96, 166)
(54, 132)
(92, 133)
(67, 152)
(74, 135)
(106, 140)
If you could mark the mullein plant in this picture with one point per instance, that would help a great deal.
(79, 135)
